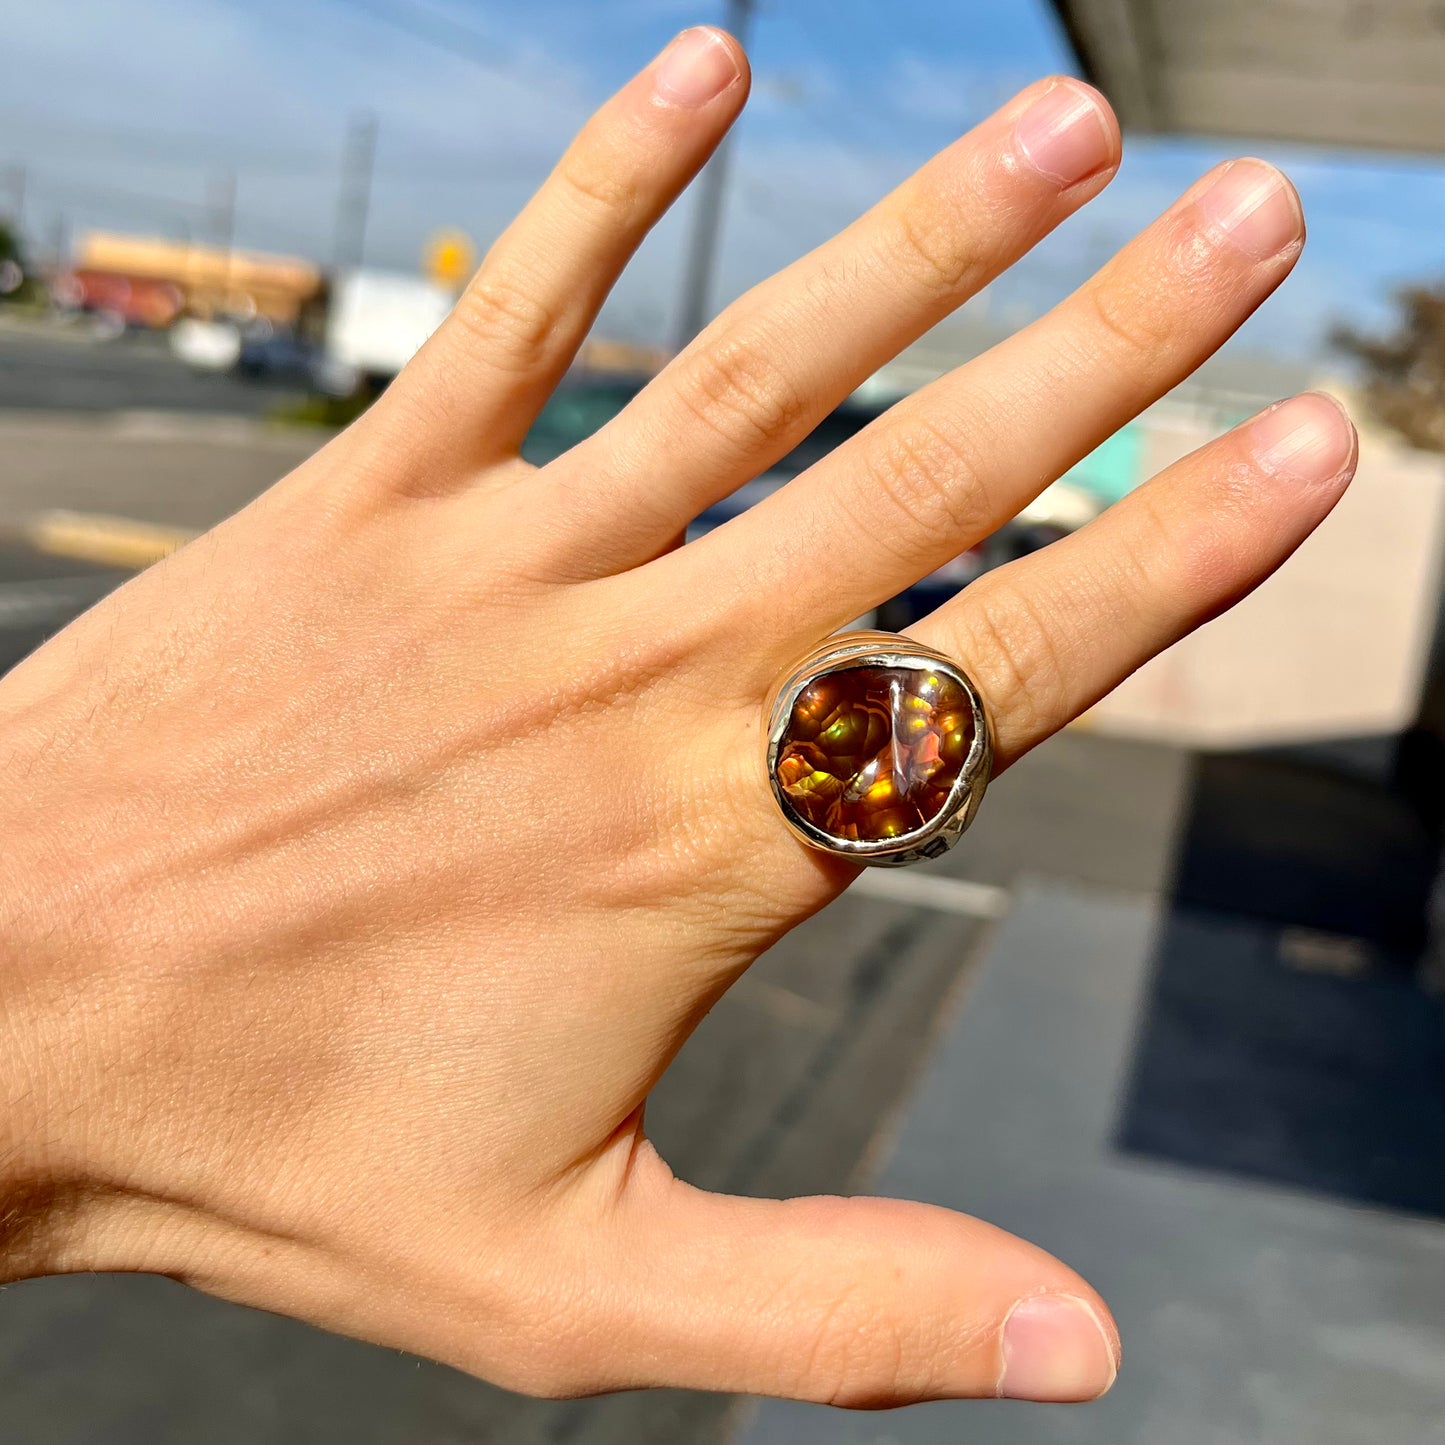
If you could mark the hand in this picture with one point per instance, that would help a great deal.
(366, 862)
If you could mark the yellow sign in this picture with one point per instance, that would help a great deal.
(448, 258)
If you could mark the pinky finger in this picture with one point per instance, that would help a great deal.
(1046, 637)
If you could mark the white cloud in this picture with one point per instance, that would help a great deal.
(124, 113)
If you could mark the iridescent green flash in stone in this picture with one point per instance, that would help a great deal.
(873, 752)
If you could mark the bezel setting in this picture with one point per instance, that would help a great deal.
(883, 650)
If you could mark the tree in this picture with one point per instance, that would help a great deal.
(10, 244)
(1405, 371)
(13, 281)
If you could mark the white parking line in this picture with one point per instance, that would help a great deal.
(924, 890)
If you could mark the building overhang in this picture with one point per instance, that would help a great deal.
(1324, 72)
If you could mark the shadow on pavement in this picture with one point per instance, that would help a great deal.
(1288, 1033)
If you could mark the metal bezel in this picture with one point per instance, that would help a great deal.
(884, 649)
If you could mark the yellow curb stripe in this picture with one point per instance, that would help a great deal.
(107, 541)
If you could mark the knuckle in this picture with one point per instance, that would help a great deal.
(739, 392)
(858, 1355)
(599, 187)
(926, 472)
(1198, 548)
(1156, 537)
(1130, 321)
(1181, 286)
(506, 319)
(1010, 644)
(927, 251)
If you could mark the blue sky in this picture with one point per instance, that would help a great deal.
(125, 111)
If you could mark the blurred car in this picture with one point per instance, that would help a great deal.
(148, 303)
(277, 354)
(582, 405)
(206, 345)
(585, 403)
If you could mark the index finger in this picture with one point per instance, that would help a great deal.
(516, 328)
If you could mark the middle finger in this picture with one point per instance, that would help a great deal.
(780, 358)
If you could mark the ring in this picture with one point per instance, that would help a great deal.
(878, 749)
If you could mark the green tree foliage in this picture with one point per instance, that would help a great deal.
(10, 244)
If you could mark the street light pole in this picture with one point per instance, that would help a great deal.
(355, 200)
(60, 241)
(697, 276)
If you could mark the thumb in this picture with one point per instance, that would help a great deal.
(860, 1302)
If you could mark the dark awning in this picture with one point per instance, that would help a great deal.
(1331, 72)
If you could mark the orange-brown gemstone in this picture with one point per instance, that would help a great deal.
(873, 752)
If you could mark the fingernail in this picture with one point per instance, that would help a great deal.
(1063, 135)
(697, 66)
(1308, 438)
(1055, 1348)
(1254, 207)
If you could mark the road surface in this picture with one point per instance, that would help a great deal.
(70, 371)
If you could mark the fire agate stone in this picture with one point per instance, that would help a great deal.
(873, 752)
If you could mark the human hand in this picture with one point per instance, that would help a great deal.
(367, 861)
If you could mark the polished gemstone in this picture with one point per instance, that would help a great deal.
(872, 753)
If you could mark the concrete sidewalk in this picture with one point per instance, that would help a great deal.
(168, 469)
(1248, 1313)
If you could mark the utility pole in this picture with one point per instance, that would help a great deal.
(357, 164)
(221, 203)
(60, 241)
(697, 276)
(15, 184)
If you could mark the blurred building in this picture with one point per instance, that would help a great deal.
(1345, 647)
(601, 355)
(152, 282)
(1331, 72)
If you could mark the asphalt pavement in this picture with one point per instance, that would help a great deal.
(71, 369)
(167, 469)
